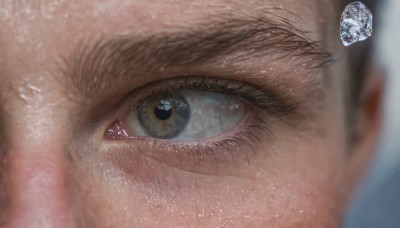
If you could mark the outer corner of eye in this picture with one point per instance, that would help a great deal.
(115, 130)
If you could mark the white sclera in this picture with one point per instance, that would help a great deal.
(211, 114)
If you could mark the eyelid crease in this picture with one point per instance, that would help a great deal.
(109, 60)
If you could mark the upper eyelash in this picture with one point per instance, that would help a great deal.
(268, 101)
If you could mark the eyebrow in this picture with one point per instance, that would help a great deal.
(107, 60)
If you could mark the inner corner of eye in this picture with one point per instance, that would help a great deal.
(116, 130)
(186, 115)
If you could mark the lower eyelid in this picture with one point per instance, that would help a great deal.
(207, 158)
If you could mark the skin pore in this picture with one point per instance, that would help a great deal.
(71, 70)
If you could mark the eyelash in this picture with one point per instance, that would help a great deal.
(270, 102)
(231, 150)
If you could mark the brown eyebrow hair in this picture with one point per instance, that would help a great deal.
(97, 65)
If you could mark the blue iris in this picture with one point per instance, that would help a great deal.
(164, 115)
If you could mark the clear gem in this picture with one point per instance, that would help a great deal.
(355, 23)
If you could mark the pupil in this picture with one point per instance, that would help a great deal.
(164, 110)
(164, 115)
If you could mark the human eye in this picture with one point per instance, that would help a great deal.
(194, 122)
(184, 116)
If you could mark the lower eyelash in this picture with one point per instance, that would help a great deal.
(208, 158)
(242, 144)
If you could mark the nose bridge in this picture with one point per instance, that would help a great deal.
(36, 193)
(34, 178)
(34, 173)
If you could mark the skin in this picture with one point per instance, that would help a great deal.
(59, 171)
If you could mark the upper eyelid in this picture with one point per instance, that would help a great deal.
(270, 101)
(110, 60)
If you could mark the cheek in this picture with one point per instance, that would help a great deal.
(295, 183)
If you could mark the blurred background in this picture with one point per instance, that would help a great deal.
(377, 203)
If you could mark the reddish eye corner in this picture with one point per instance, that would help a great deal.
(116, 131)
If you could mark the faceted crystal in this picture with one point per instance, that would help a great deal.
(355, 23)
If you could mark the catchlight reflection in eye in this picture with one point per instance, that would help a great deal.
(184, 115)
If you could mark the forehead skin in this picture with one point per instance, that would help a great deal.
(29, 25)
(300, 189)
(113, 18)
